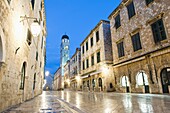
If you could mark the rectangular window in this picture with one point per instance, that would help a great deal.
(131, 10)
(9, 1)
(98, 57)
(120, 49)
(117, 21)
(42, 43)
(83, 49)
(83, 65)
(33, 3)
(87, 63)
(36, 56)
(97, 36)
(34, 81)
(136, 42)
(158, 31)
(87, 46)
(92, 60)
(91, 40)
(148, 1)
(29, 37)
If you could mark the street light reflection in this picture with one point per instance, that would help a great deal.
(78, 100)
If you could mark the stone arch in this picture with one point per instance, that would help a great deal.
(2, 46)
(162, 67)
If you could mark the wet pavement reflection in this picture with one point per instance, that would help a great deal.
(98, 102)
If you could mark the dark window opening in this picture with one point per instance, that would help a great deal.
(83, 65)
(87, 46)
(98, 57)
(117, 21)
(158, 31)
(120, 49)
(87, 63)
(29, 37)
(34, 81)
(33, 3)
(92, 60)
(136, 42)
(83, 49)
(91, 41)
(23, 72)
(148, 1)
(131, 10)
(36, 56)
(97, 36)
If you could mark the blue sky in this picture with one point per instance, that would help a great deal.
(76, 18)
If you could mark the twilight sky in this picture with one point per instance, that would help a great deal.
(76, 18)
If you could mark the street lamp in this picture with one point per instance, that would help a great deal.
(47, 73)
(34, 27)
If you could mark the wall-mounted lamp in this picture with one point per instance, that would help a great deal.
(34, 27)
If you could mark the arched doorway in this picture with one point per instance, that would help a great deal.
(22, 80)
(93, 84)
(100, 83)
(142, 80)
(125, 83)
(88, 85)
(165, 79)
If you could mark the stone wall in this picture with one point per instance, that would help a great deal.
(15, 50)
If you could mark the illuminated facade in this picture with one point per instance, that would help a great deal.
(141, 46)
(64, 52)
(96, 59)
(21, 54)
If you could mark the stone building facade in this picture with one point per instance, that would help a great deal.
(140, 31)
(21, 55)
(96, 59)
(67, 75)
(75, 67)
(57, 83)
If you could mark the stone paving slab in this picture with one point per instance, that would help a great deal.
(44, 103)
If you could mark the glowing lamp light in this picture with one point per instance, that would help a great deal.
(35, 28)
(77, 78)
(47, 73)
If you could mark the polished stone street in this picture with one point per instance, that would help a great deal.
(89, 102)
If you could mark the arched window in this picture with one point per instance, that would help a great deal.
(23, 72)
(125, 81)
(141, 78)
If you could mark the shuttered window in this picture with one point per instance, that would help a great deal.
(120, 49)
(117, 21)
(158, 31)
(136, 42)
(131, 10)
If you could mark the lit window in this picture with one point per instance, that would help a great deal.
(141, 78)
(125, 81)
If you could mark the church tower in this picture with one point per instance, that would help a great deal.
(64, 52)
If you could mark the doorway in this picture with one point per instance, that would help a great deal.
(100, 84)
(165, 79)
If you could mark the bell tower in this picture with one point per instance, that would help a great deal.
(64, 52)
